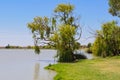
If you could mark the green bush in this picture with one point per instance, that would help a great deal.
(107, 42)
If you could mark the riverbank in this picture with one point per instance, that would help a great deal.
(95, 69)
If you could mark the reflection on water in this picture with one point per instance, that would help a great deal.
(36, 72)
(41, 74)
(25, 65)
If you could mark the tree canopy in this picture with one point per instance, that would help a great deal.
(62, 31)
(67, 32)
(40, 30)
(114, 7)
(107, 41)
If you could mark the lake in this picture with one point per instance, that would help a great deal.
(23, 64)
(82, 52)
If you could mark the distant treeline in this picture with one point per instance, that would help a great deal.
(32, 47)
(27, 47)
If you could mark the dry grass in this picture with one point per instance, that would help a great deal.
(108, 66)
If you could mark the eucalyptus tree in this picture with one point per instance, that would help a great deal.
(62, 31)
(68, 32)
(107, 41)
(40, 30)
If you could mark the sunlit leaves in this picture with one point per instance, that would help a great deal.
(64, 13)
(40, 26)
(59, 31)
(114, 7)
(64, 41)
(107, 42)
(40, 29)
(67, 32)
(65, 8)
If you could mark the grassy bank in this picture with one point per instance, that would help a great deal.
(96, 69)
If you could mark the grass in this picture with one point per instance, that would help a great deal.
(95, 69)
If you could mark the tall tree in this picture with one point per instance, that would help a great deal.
(114, 7)
(67, 33)
(61, 31)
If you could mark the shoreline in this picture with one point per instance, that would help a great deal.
(95, 69)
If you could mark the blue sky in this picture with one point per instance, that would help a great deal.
(15, 14)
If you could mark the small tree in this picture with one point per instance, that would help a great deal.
(40, 30)
(8, 46)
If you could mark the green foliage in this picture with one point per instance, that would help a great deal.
(107, 41)
(77, 45)
(65, 8)
(59, 31)
(48, 47)
(64, 40)
(89, 45)
(89, 48)
(29, 47)
(64, 14)
(8, 46)
(40, 27)
(37, 50)
(65, 35)
(114, 7)
(13, 47)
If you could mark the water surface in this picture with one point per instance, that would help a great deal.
(25, 65)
